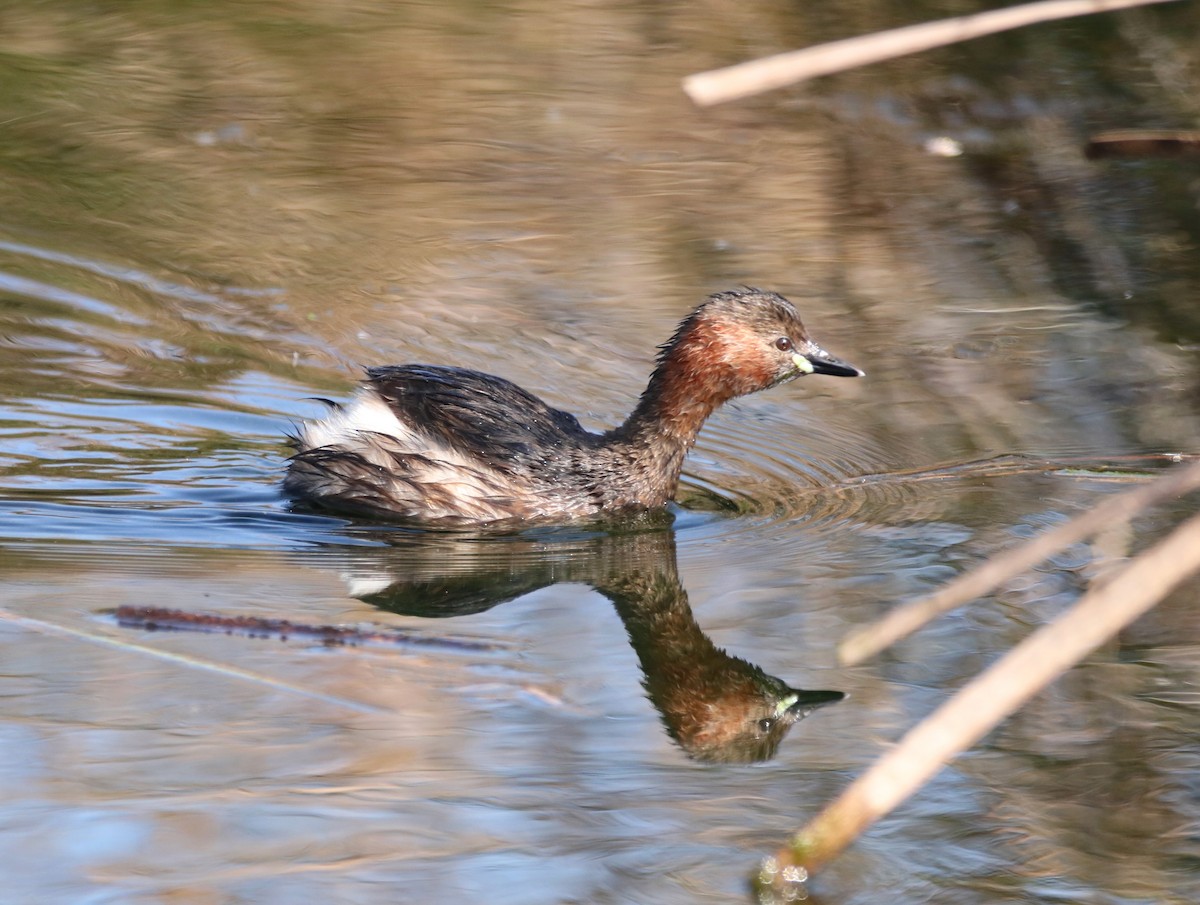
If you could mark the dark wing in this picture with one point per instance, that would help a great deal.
(487, 417)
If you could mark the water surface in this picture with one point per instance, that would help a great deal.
(211, 215)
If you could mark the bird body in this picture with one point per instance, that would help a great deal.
(449, 445)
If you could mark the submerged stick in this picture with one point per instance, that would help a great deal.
(757, 76)
(988, 699)
(191, 662)
(1115, 510)
(154, 618)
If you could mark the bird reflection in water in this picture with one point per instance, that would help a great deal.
(717, 707)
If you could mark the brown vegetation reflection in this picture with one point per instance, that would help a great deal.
(717, 707)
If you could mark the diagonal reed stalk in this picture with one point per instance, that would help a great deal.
(1006, 685)
(1116, 510)
(756, 76)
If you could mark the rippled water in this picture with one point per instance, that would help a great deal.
(209, 221)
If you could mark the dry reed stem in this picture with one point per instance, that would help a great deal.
(757, 76)
(990, 697)
(1116, 510)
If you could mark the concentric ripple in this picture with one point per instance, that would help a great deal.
(763, 468)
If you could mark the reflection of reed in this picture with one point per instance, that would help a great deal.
(864, 496)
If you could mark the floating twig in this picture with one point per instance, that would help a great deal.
(1113, 468)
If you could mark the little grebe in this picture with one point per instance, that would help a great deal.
(438, 444)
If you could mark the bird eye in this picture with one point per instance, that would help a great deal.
(783, 344)
(764, 725)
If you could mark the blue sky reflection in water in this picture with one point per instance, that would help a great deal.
(207, 221)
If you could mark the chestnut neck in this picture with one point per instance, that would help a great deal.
(685, 388)
(676, 403)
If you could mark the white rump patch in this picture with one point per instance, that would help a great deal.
(367, 428)
(365, 412)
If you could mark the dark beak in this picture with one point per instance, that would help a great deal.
(812, 359)
(808, 701)
(831, 366)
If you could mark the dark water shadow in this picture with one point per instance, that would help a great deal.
(717, 707)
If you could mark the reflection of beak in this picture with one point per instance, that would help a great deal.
(817, 361)
(800, 704)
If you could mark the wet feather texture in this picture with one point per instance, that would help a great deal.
(439, 444)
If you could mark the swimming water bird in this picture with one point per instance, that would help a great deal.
(453, 446)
